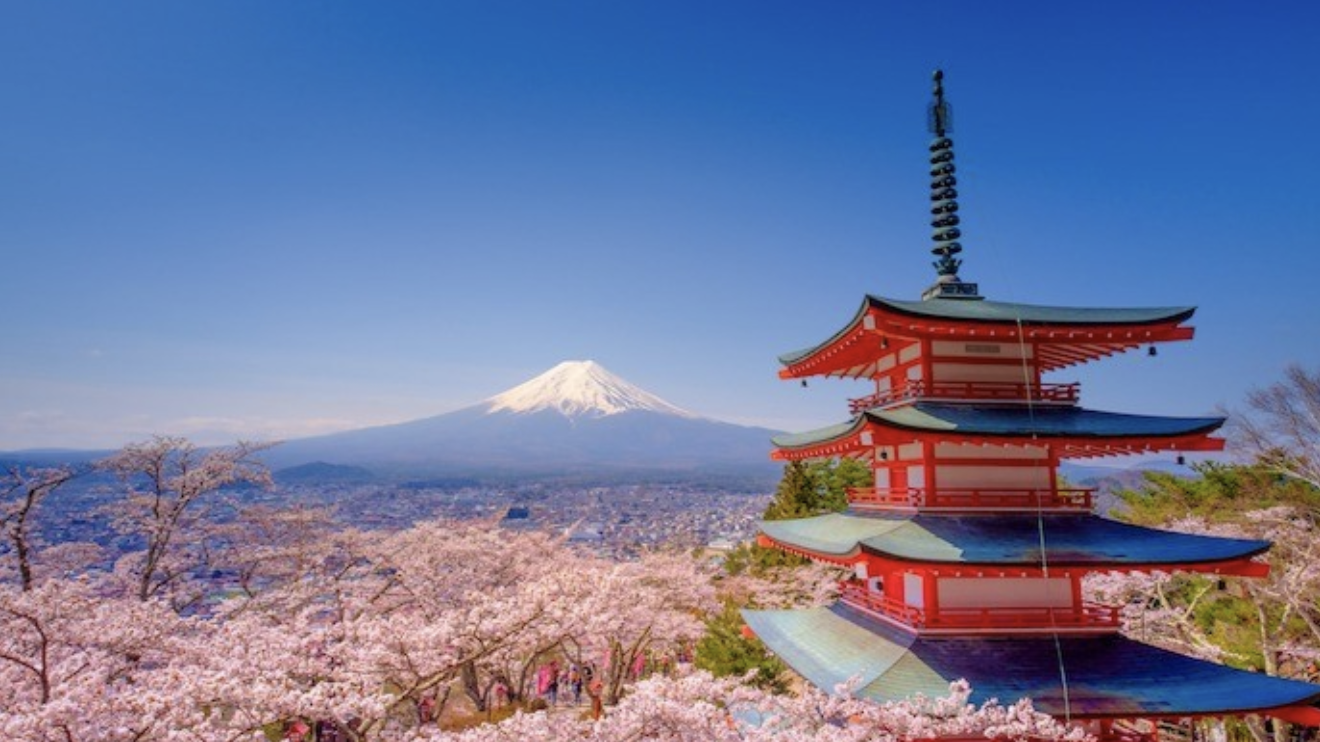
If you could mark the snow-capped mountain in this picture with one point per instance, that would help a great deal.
(578, 388)
(577, 418)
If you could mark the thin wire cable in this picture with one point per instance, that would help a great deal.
(1040, 520)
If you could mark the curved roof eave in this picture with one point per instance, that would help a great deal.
(996, 312)
(1010, 540)
(1005, 421)
(1042, 421)
(1029, 314)
(819, 435)
(1106, 676)
(834, 535)
(791, 357)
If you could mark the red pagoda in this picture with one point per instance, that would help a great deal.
(968, 552)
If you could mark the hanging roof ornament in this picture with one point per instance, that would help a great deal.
(944, 203)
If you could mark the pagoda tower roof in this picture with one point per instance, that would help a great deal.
(1001, 312)
(1064, 335)
(1107, 676)
(1075, 431)
(1011, 540)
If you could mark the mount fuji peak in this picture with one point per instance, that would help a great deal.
(575, 420)
(580, 389)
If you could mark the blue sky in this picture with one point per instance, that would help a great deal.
(269, 219)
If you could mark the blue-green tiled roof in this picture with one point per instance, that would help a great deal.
(1010, 539)
(1106, 675)
(828, 651)
(820, 435)
(1039, 420)
(1008, 420)
(835, 534)
(1031, 314)
(1004, 312)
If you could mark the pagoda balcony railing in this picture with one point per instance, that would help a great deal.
(860, 597)
(1087, 616)
(994, 391)
(1078, 499)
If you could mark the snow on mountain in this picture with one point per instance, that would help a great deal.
(581, 388)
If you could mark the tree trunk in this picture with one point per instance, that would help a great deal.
(24, 559)
(472, 687)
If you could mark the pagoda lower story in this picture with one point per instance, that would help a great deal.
(1104, 677)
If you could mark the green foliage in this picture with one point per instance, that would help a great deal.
(757, 560)
(805, 490)
(1221, 493)
(1228, 612)
(814, 488)
(725, 651)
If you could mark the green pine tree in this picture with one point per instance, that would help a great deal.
(725, 650)
(806, 489)
(816, 488)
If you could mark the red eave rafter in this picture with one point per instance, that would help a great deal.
(847, 351)
(1068, 447)
(1243, 567)
(1304, 715)
(1057, 346)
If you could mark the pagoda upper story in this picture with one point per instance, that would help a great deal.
(960, 416)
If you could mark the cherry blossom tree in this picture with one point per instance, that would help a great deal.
(1271, 624)
(492, 600)
(78, 664)
(168, 481)
(21, 492)
(256, 668)
(812, 584)
(382, 622)
(1254, 622)
(1280, 429)
(338, 628)
(699, 707)
(266, 547)
(655, 606)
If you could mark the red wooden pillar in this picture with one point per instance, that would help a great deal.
(928, 460)
(1035, 365)
(930, 595)
(1052, 456)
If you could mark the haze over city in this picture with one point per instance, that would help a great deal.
(269, 220)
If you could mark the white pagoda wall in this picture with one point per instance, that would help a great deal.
(973, 451)
(1032, 473)
(1001, 373)
(961, 349)
(994, 362)
(991, 477)
(1004, 592)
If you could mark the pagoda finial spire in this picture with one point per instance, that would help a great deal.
(944, 203)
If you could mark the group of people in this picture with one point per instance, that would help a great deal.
(553, 683)
(552, 680)
(298, 730)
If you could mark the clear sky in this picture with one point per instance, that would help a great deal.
(271, 219)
